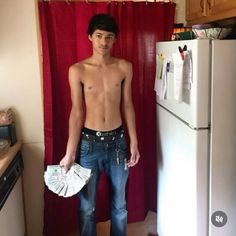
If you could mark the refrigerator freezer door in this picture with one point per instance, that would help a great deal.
(182, 197)
(223, 140)
(194, 109)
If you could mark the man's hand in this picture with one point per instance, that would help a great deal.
(135, 156)
(67, 161)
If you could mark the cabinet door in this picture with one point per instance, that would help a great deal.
(195, 9)
(221, 6)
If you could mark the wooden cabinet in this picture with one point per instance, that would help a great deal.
(203, 11)
(195, 9)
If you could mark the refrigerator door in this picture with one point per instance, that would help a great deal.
(182, 197)
(194, 109)
(223, 140)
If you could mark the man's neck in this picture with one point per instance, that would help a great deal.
(101, 60)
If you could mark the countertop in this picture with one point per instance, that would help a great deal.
(8, 156)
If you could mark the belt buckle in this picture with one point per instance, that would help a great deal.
(98, 133)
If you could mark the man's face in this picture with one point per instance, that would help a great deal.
(102, 41)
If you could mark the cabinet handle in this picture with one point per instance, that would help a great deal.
(209, 4)
(201, 5)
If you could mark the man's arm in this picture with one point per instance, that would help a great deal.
(129, 114)
(76, 116)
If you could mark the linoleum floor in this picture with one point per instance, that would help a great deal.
(143, 228)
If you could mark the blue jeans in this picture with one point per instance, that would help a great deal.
(111, 157)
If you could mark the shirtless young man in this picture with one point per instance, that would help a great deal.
(100, 85)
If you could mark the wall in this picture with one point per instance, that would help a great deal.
(180, 11)
(20, 88)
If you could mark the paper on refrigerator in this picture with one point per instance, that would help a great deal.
(182, 73)
(178, 76)
(187, 70)
(161, 79)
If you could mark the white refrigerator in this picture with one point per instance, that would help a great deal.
(197, 141)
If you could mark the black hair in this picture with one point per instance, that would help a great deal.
(103, 22)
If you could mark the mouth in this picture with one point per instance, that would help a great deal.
(104, 48)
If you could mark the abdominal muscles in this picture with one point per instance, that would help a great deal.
(103, 109)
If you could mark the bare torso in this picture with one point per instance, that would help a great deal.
(102, 88)
(102, 83)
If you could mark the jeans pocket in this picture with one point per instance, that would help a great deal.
(84, 148)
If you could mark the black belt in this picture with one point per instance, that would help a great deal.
(93, 135)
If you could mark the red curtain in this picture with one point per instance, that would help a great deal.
(64, 42)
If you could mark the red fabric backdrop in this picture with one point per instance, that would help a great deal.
(64, 42)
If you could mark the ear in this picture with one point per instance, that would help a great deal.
(90, 38)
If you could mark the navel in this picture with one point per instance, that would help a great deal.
(90, 87)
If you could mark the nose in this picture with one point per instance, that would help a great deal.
(103, 41)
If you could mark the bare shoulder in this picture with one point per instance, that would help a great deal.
(126, 68)
(77, 67)
(124, 64)
(76, 70)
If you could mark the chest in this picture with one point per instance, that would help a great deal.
(99, 80)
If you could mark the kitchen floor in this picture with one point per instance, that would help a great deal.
(143, 228)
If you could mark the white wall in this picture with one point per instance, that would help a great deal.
(20, 88)
(180, 11)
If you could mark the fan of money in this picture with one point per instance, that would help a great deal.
(66, 184)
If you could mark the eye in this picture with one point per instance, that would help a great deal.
(98, 36)
(110, 37)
